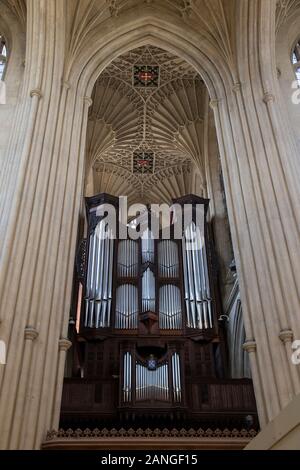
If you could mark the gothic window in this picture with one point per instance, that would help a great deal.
(296, 61)
(3, 56)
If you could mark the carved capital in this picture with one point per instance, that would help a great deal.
(214, 104)
(64, 344)
(268, 98)
(36, 92)
(237, 87)
(250, 346)
(66, 85)
(30, 333)
(88, 101)
(286, 336)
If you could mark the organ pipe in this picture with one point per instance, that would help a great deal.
(128, 257)
(176, 378)
(147, 247)
(196, 280)
(152, 384)
(127, 377)
(170, 313)
(126, 317)
(148, 291)
(168, 260)
(98, 297)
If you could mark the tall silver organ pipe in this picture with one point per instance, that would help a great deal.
(152, 384)
(147, 247)
(128, 257)
(127, 377)
(148, 291)
(170, 312)
(168, 260)
(98, 297)
(126, 307)
(196, 279)
(176, 378)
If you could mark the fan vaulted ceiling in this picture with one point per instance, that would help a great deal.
(163, 122)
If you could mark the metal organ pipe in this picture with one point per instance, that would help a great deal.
(176, 378)
(170, 314)
(99, 278)
(168, 259)
(148, 291)
(196, 279)
(152, 384)
(127, 377)
(126, 307)
(128, 258)
(147, 247)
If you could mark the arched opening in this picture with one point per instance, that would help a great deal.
(256, 171)
(151, 137)
(296, 60)
(3, 56)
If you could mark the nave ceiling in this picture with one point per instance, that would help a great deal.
(164, 121)
(168, 121)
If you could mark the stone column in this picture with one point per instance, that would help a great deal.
(37, 267)
(261, 171)
(64, 345)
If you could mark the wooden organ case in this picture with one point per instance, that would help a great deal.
(149, 349)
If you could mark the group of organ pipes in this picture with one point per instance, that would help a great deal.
(148, 315)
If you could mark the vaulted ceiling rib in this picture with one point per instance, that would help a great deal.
(165, 120)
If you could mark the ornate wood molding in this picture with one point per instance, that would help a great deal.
(109, 439)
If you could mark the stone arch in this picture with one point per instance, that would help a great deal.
(161, 30)
(14, 33)
(259, 196)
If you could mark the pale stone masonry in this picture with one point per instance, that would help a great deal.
(58, 50)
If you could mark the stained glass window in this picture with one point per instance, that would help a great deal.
(296, 61)
(146, 76)
(3, 56)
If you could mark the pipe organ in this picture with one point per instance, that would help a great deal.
(148, 343)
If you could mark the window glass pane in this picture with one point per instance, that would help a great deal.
(298, 75)
(3, 56)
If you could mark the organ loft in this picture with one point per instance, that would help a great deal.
(148, 342)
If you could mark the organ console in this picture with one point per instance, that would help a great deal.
(149, 346)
